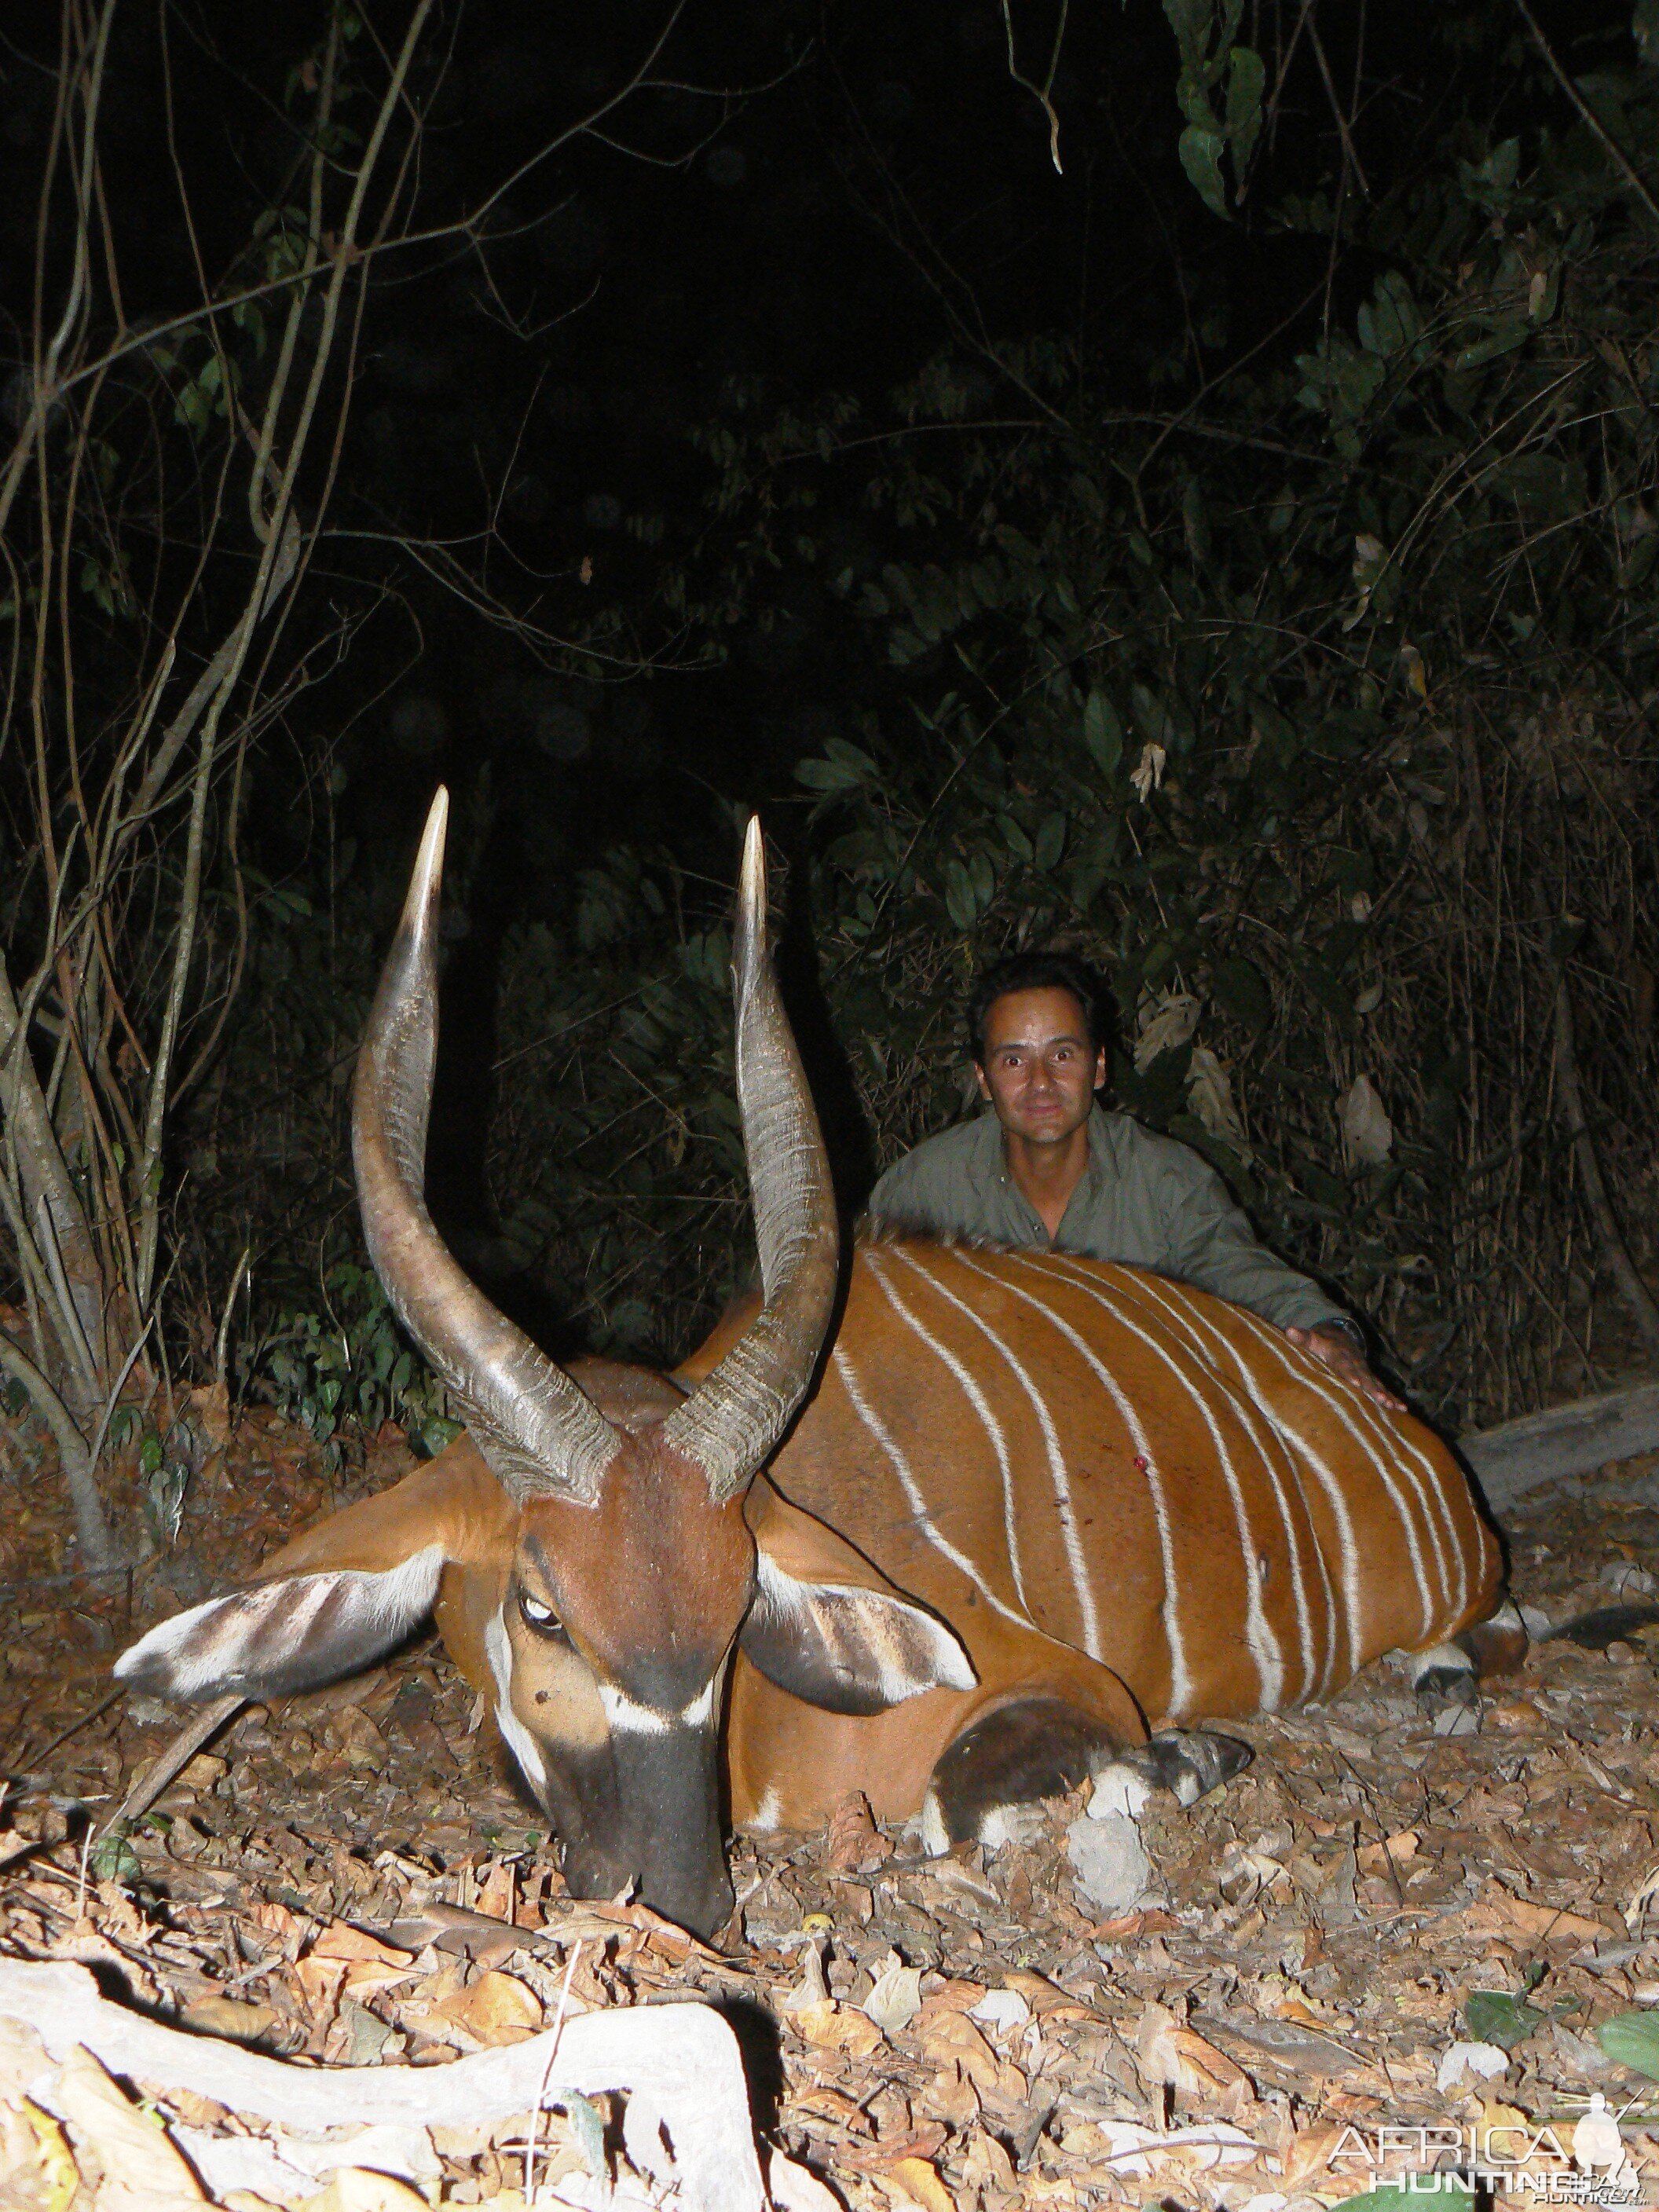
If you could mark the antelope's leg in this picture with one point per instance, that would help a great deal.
(1451, 1673)
(986, 1785)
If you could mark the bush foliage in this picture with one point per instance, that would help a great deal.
(1315, 706)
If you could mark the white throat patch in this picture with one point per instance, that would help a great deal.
(627, 1718)
(516, 1736)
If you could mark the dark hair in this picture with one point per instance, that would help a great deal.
(1037, 971)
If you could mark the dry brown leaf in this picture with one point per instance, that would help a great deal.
(38, 2172)
(340, 1940)
(137, 2155)
(986, 2164)
(495, 1892)
(1309, 2158)
(830, 2105)
(364, 1979)
(229, 2016)
(1169, 2053)
(320, 1981)
(1375, 1857)
(879, 2158)
(832, 2027)
(853, 1844)
(1498, 1912)
(354, 2190)
(953, 2097)
(497, 2009)
(1046, 1998)
(912, 2181)
(950, 1996)
(951, 2038)
(1129, 1925)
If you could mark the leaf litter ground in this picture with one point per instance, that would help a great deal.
(351, 1878)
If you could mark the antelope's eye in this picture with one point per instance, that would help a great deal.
(542, 1618)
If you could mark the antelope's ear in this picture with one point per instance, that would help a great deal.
(829, 1628)
(295, 1634)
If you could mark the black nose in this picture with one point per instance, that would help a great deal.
(702, 1907)
(697, 1897)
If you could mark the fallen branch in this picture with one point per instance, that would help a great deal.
(177, 1756)
(678, 2064)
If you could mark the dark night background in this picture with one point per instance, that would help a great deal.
(641, 467)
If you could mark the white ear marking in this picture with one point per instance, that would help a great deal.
(259, 1635)
(885, 1623)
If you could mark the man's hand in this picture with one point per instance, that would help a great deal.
(1335, 1348)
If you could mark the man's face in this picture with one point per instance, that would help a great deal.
(1039, 1072)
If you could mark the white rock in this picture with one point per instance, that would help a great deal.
(1484, 2060)
(1624, 1579)
(1113, 1870)
(1535, 1621)
(1119, 1789)
(1457, 1720)
(793, 2189)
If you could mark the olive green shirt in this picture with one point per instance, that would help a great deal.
(1144, 1199)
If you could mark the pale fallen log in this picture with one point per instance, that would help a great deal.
(678, 2064)
(1562, 1442)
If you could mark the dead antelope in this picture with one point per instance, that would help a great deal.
(1031, 1505)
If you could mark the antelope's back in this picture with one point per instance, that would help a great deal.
(1135, 1468)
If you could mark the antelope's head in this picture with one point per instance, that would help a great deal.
(641, 1551)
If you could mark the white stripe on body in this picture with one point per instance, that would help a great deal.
(1057, 1470)
(919, 1511)
(1181, 1681)
(977, 1399)
(1335, 1495)
(1281, 1463)
(1438, 1513)
(1259, 1635)
(1310, 1375)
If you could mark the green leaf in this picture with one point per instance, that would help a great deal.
(1150, 716)
(959, 896)
(1050, 841)
(1544, 487)
(1632, 2038)
(113, 1857)
(1245, 82)
(1240, 989)
(1103, 732)
(1512, 334)
(1491, 184)
(1201, 154)
(1493, 2017)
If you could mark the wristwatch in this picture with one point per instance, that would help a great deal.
(1351, 1329)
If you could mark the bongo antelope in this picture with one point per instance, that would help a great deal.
(1033, 1508)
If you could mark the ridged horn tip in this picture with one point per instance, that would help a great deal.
(750, 942)
(426, 882)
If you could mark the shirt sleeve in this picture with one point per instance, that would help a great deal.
(1210, 1242)
(910, 1193)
